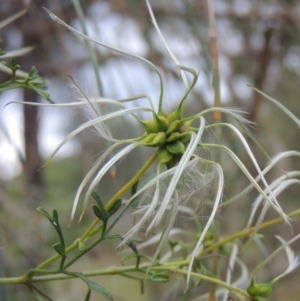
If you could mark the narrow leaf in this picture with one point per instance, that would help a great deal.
(100, 204)
(88, 295)
(95, 287)
(45, 213)
(160, 277)
(115, 207)
(55, 223)
(99, 213)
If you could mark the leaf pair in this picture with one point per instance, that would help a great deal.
(59, 247)
(100, 211)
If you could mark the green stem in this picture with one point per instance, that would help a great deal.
(82, 253)
(165, 266)
(246, 232)
(132, 181)
(173, 267)
(86, 234)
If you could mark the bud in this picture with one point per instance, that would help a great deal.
(173, 161)
(175, 148)
(259, 290)
(185, 137)
(164, 156)
(173, 137)
(147, 140)
(173, 127)
(150, 126)
(162, 123)
(159, 140)
(176, 115)
(154, 139)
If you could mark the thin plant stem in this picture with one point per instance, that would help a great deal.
(132, 181)
(246, 232)
(86, 234)
(173, 267)
(214, 57)
(115, 270)
(217, 117)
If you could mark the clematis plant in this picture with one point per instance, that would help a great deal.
(183, 182)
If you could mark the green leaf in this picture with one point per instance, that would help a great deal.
(99, 213)
(160, 277)
(54, 221)
(12, 65)
(57, 227)
(115, 207)
(55, 216)
(88, 295)
(37, 83)
(45, 213)
(2, 52)
(95, 286)
(96, 197)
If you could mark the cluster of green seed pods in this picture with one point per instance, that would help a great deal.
(170, 134)
(259, 291)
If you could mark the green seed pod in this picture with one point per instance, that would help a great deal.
(164, 156)
(151, 126)
(175, 148)
(185, 127)
(148, 139)
(173, 161)
(185, 137)
(173, 127)
(259, 299)
(253, 289)
(162, 122)
(163, 113)
(159, 140)
(173, 137)
(265, 289)
(259, 290)
(176, 115)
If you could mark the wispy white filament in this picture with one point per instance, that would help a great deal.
(107, 166)
(184, 79)
(210, 220)
(93, 122)
(270, 165)
(293, 261)
(89, 175)
(232, 259)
